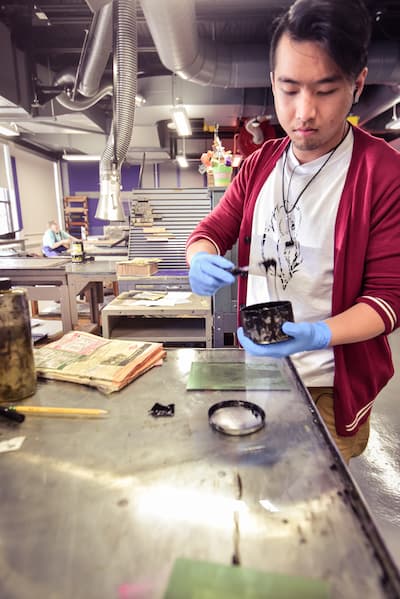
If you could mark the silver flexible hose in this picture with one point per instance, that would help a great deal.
(125, 78)
(125, 87)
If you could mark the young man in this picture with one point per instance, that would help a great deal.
(321, 208)
(55, 241)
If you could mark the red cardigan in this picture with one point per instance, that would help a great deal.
(366, 258)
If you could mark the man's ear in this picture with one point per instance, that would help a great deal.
(271, 76)
(359, 85)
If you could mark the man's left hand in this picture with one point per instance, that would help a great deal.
(306, 336)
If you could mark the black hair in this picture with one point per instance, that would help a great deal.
(341, 27)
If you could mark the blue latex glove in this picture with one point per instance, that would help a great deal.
(209, 272)
(306, 337)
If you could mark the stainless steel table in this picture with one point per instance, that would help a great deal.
(44, 279)
(89, 505)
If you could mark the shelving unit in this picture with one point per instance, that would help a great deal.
(76, 215)
(183, 324)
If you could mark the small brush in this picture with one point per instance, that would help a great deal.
(243, 271)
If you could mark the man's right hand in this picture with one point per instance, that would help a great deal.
(209, 272)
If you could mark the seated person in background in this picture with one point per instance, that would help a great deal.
(56, 241)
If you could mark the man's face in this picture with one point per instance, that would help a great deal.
(312, 97)
(55, 227)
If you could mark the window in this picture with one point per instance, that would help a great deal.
(9, 221)
(6, 224)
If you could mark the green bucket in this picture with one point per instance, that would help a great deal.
(222, 175)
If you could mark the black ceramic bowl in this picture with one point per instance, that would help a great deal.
(262, 323)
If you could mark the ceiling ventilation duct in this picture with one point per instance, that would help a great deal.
(172, 24)
(86, 81)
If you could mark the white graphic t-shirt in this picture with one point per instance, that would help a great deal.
(292, 245)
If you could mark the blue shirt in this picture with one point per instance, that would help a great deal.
(51, 237)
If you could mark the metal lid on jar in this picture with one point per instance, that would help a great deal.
(5, 284)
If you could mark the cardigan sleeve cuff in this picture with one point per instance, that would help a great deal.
(195, 237)
(384, 310)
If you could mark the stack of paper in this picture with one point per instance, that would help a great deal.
(108, 364)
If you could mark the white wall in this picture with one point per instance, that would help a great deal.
(36, 189)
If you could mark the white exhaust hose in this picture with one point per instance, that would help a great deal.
(125, 87)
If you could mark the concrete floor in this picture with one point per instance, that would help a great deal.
(377, 470)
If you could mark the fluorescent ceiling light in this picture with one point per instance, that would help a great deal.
(181, 120)
(395, 122)
(40, 14)
(182, 161)
(81, 158)
(9, 130)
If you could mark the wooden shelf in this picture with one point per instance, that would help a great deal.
(82, 199)
(75, 210)
(76, 215)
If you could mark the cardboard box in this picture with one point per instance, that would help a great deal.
(137, 267)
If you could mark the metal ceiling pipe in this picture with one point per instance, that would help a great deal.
(125, 87)
(65, 79)
(97, 51)
(87, 80)
(82, 104)
(172, 24)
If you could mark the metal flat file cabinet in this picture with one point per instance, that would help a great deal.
(225, 300)
(163, 280)
(188, 323)
(94, 508)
